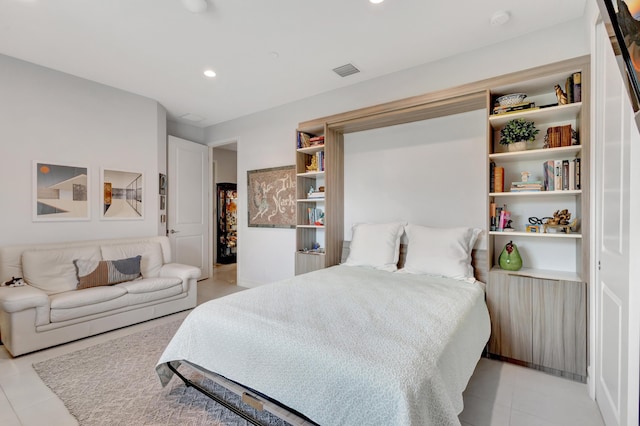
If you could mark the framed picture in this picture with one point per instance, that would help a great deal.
(60, 192)
(122, 195)
(622, 19)
(272, 197)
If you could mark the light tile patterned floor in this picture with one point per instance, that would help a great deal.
(499, 394)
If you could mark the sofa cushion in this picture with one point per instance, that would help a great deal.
(151, 255)
(149, 285)
(92, 273)
(89, 296)
(81, 303)
(52, 271)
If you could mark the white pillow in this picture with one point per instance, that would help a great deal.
(375, 245)
(440, 251)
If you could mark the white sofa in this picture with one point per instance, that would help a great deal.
(50, 310)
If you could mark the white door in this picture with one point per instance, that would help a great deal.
(188, 203)
(616, 377)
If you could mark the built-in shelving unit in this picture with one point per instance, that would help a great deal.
(539, 312)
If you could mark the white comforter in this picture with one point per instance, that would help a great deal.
(345, 345)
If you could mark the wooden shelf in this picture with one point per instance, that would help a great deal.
(311, 149)
(550, 114)
(311, 226)
(540, 273)
(536, 234)
(310, 200)
(536, 154)
(310, 174)
(527, 194)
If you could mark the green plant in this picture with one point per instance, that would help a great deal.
(518, 130)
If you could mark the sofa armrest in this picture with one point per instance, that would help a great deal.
(185, 272)
(15, 299)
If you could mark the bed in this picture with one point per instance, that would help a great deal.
(348, 345)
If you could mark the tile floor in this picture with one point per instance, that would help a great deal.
(498, 393)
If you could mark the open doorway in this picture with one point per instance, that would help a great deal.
(224, 209)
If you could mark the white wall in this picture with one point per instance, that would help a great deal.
(415, 173)
(226, 169)
(49, 116)
(267, 139)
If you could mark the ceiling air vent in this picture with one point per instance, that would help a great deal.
(346, 70)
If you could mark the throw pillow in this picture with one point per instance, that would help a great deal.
(93, 273)
(376, 245)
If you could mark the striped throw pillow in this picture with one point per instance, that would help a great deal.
(93, 273)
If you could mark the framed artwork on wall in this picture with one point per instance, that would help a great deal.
(122, 195)
(272, 197)
(60, 192)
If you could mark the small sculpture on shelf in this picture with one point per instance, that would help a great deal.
(313, 165)
(561, 221)
(562, 97)
(525, 176)
(510, 259)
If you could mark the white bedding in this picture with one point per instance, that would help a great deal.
(345, 345)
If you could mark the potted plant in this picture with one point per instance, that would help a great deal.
(516, 133)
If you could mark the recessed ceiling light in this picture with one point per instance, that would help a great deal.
(192, 117)
(500, 18)
(210, 73)
(376, 1)
(195, 6)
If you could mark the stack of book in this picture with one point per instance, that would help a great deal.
(558, 136)
(562, 175)
(498, 109)
(316, 140)
(500, 218)
(316, 216)
(529, 186)
(316, 194)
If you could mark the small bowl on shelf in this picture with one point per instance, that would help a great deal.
(511, 99)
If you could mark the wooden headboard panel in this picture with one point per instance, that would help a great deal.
(478, 260)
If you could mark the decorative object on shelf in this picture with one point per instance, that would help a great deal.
(313, 165)
(272, 197)
(524, 176)
(510, 259)
(511, 99)
(508, 227)
(561, 221)
(533, 228)
(562, 97)
(517, 133)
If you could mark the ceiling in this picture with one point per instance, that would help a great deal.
(265, 53)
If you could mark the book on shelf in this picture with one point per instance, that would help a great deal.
(492, 181)
(315, 194)
(561, 175)
(316, 140)
(529, 186)
(304, 140)
(498, 109)
(557, 170)
(498, 178)
(558, 136)
(568, 88)
(316, 216)
(577, 86)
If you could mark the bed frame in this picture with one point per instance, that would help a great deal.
(259, 401)
(254, 399)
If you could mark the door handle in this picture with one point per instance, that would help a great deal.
(173, 231)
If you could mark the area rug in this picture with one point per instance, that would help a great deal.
(115, 383)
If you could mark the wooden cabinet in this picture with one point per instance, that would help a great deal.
(538, 322)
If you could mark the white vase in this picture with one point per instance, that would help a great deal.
(517, 146)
